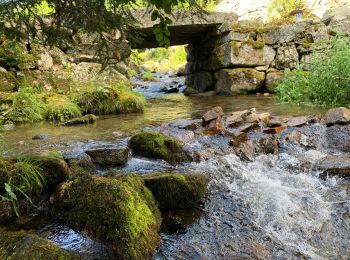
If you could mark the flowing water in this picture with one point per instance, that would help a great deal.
(271, 208)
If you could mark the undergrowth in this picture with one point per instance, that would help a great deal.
(327, 82)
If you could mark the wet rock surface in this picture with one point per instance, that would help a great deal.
(109, 156)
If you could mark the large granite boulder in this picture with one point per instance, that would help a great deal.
(238, 81)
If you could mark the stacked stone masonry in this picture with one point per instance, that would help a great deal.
(235, 60)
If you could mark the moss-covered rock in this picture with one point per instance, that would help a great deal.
(53, 167)
(8, 81)
(24, 246)
(190, 91)
(157, 146)
(31, 178)
(120, 212)
(176, 190)
(84, 120)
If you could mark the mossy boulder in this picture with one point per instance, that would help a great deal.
(157, 146)
(120, 212)
(8, 81)
(176, 190)
(53, 167)
(84, 120)
(24, 246)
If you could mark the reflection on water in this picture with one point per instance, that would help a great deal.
(62, 236)
(164, 109)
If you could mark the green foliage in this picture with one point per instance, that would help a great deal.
(22, 179)
(327, 81)
(286, 8)
(13, 54)
(27, 107)
(147, 75)
(103, 16)
(132, 72)
(161, 59)
(158, 146)
(60, 108)
(105, 99)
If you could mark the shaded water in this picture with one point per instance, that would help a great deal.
(266, 209)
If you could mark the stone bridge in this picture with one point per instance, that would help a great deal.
(187, 26)
(236, 58)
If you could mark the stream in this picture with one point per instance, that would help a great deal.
(270, 208)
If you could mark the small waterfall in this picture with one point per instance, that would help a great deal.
(267, 209)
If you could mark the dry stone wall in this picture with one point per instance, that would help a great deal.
(236, 60)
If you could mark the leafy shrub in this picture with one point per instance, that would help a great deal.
(286, 8)
(327, 82)
(19, 180)
(132, 72)
(109, 99)
(13, 54)
(27, 107)
(148, 76)
(60, 108)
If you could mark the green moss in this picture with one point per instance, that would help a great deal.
(190, 91)
(8, 81)
(157, 146)
(258, 44)
(148, 76)
(53, 167)
(307, 44)
(84, 120)
(60, 108)
(27, 107)
(101, 99)
(24, 246)
(15, 55)
(235, 47)
(26, 179)
(120, 212)
(176, 190)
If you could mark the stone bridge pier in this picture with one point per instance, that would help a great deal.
(237, 58)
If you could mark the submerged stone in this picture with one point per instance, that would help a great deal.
(25, 246)
(176, 190)
(157, 146)
(120, 212)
